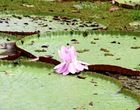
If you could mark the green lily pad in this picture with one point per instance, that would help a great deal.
(34, 86)
(112, 49)
(129, 3)
(19, 23)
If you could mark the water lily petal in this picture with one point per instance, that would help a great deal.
(72, 53)
(62, 67)
(72, 68)
(80, 67)
(64, 54)
(84, 63)
(66, 73)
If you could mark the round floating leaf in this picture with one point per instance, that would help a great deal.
(112, 49)
(19, 23)
(34, 86)
(129, 3)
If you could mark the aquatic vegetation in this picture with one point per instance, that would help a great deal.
(35, 86)
(40, 28)
(129, 3)
(110, 49)
(31, 24)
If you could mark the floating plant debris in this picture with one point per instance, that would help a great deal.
(96, 38)
(137, 47)
(22, 42)
(104, 50)
(83, 50)
(92, 42)
(75, 41)
(108, 54)
(81, 77)
(44, 46)
(40, 50)
(118, 58)
(115, 42)
(91, 103)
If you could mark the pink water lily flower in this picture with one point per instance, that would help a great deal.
(69, 63)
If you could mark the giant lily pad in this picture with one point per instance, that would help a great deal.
(30, 24)
(34, 86)
(129, 3)
(110, 49)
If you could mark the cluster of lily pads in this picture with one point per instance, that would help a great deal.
(35, 85)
